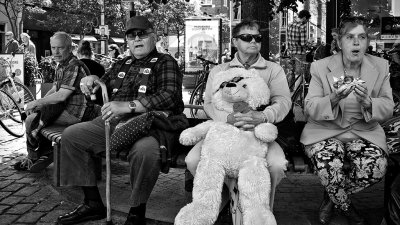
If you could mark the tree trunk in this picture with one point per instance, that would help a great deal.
(258, 11)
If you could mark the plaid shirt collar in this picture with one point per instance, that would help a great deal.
(66, 61)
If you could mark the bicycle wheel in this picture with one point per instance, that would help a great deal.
(396, 99)
(11, 118)
(298, 105)
(197, 98)
(23, 91)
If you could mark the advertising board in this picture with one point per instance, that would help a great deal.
(203, 39)
(17, 66)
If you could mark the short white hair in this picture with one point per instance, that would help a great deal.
(63, 36)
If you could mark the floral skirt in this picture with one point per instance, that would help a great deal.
(367, 166)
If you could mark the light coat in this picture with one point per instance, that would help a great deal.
(325, 122)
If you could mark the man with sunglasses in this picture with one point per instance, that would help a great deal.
(131, 95)
(247, 41)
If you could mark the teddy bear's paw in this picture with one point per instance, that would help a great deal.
(188, 138)
(195, 214)
(266, 132)
(259, 216)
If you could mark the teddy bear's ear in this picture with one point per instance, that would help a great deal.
(259, 93)
(220, 104)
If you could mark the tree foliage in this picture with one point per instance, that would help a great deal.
(77, 16)
(168, 17)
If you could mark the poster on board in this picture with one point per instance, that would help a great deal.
(203, 39)
(17, 66)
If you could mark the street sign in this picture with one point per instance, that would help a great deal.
(388, 36)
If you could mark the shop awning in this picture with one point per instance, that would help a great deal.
(76, 37)
(117, 40)
(89, 38)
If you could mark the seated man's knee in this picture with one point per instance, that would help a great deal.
(145, 148)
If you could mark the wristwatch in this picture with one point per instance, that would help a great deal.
(132, 106)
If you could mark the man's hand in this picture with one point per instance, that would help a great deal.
(87, 84)
(30, 107)
(114, 109)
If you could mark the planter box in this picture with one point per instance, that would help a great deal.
(40, 90)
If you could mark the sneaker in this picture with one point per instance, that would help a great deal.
(42, 163)
(24, 165)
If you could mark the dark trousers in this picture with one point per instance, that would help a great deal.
(84, 141)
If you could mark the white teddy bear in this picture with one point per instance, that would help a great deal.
(229, 151)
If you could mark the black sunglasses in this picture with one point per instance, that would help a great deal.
(141, 34)
(233, 80)
(250, 37)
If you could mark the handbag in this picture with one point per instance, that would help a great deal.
(127, 133)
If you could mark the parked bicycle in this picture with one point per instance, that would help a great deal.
(11, 115)
(197, 96)
(11, 85)
(298, 81)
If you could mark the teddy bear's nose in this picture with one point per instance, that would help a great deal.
(231, 84)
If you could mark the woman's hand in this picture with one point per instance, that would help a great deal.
(247, 121)
(87, 84)
(340, 94)
(361, 93)
(114, 109)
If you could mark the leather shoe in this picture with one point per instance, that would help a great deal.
(326, 209)
(135, 220)
(82, 213)
(353, 216)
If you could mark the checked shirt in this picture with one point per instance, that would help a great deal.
(164, 87)
(297, 38)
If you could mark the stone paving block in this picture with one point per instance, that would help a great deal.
(4, 183)
(20, 209)
(27, 191)
(47, 205)
(3, 208)
(39, 196)
(11, 200)
(4, 194)
(6, 173)
(31, 217)
(8, 219)
(52, 216)
(26, 180)
(13, 187)
(17, 176)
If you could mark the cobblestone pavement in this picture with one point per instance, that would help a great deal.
(32, 199)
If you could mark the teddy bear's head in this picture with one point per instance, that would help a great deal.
(239, 85)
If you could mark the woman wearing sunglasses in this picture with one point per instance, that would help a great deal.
(343, 120)
(247, 41)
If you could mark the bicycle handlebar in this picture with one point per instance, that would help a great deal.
(206, 61)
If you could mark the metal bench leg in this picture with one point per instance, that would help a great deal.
(56, 161)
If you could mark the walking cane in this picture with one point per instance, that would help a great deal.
(108, 161)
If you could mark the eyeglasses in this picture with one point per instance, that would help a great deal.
(141, 34)
(250, 37)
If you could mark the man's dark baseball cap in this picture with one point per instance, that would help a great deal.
(138, 22)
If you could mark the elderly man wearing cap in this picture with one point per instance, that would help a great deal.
(12, 45)
(131, 95)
